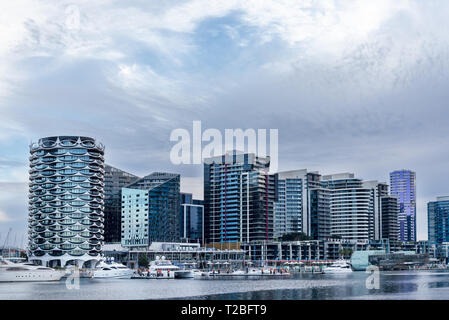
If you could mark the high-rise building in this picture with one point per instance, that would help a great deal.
(403, 187)
(320, 213)
(349, 206)
(292, 209)
(66, 201)
(438, 220)
(239, 194)
(378, 191)
(114, 180)
(150, 209)
(191, 219)
(389, 218)
(355, 206)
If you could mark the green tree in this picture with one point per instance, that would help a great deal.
(295, 236)
(143, 261)
(346, 252)
(23, 255)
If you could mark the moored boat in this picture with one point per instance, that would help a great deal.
(162, 269)
(340, 266)
(112, 270)
(26, 271)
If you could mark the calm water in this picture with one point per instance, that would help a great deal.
(393, 285)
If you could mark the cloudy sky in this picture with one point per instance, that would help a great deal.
(358, 86)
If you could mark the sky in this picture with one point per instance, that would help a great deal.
(352, 86)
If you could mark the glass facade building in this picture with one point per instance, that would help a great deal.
(403, 187)
(114, 180)
(292, 208)
(378, 190)
(320, 213)
(150, 210)
(239, 196)
(191, 219)
(66, 201)
(390, 212)
(287, 210)
(438, 220)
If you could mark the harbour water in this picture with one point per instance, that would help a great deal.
(393, 285)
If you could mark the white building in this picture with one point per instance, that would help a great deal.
(355, 206)
(66, 201)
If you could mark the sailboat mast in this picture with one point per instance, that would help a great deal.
(6, 240)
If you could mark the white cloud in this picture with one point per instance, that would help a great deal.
(4, 217)
(337, 77)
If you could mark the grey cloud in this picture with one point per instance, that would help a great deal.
(380, 105)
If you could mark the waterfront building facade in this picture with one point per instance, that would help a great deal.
(191, 219)
(239, 196)
(66, 201)
(150, 210)
(355, 206)
(181, 254)
(291, 208)
(350, 206)
(378, 190)
(320, 213)
(438, 221)
(279, 252)
(403, 187)
(389, 218)
(114, 180)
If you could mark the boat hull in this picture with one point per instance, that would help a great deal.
(113, 274)
(184, 274)
(337, 271)
(162, 275)
(31, 276)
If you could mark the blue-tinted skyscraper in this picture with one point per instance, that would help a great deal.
(191, 219)
(438, 220)
(114, 180)
(403, 187)
(239, 196)
(150, 209)
(292, 209)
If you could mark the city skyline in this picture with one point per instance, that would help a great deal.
(339, 175)
(351, 88)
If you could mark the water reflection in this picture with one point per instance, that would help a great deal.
(403, 285)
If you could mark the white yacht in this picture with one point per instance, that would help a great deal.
(262, 272)
(112, 270)
(162, 269)
(340, 266)
(198, 274)
(26, 271)
(188, 272)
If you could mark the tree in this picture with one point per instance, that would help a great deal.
(143, 261)
(345, 252)
(295, 236)
(23, 255)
